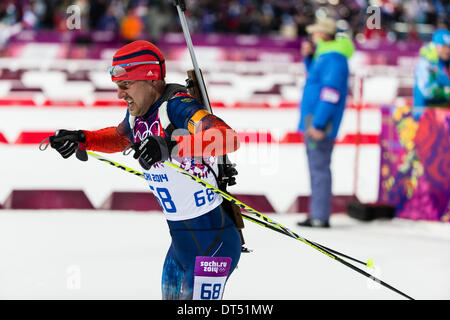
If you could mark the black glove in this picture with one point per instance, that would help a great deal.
(66, 142)
(152, 150)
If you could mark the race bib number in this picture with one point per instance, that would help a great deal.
(210, 276)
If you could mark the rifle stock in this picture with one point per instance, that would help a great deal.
(193, 87)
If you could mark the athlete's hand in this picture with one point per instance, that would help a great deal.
(315, 134)
(152, 149)
(66, 142)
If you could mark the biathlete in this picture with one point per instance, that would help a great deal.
(164, 123)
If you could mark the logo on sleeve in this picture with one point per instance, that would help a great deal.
(329, 95)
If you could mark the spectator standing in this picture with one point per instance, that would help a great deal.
(131, 26)
(431, 77)
(109, 20)
(322, 107)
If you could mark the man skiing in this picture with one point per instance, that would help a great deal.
(164, 123)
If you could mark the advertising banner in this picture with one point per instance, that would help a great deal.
(415, 162)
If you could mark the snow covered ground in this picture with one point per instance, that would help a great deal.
(105, 255)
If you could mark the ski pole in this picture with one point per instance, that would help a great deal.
(266, 221)
(369, 263)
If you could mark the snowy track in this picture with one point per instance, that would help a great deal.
(105, 255)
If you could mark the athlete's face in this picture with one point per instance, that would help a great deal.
(138, 94)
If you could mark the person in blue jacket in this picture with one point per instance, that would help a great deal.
(321, 108)
(431, 76)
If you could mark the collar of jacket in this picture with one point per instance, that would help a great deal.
(429, 52)
(342, 45)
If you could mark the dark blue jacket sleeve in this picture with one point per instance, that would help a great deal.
(180, 110)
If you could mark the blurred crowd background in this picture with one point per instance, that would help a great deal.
(413, 20)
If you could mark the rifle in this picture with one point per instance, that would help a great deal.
(196, 87)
